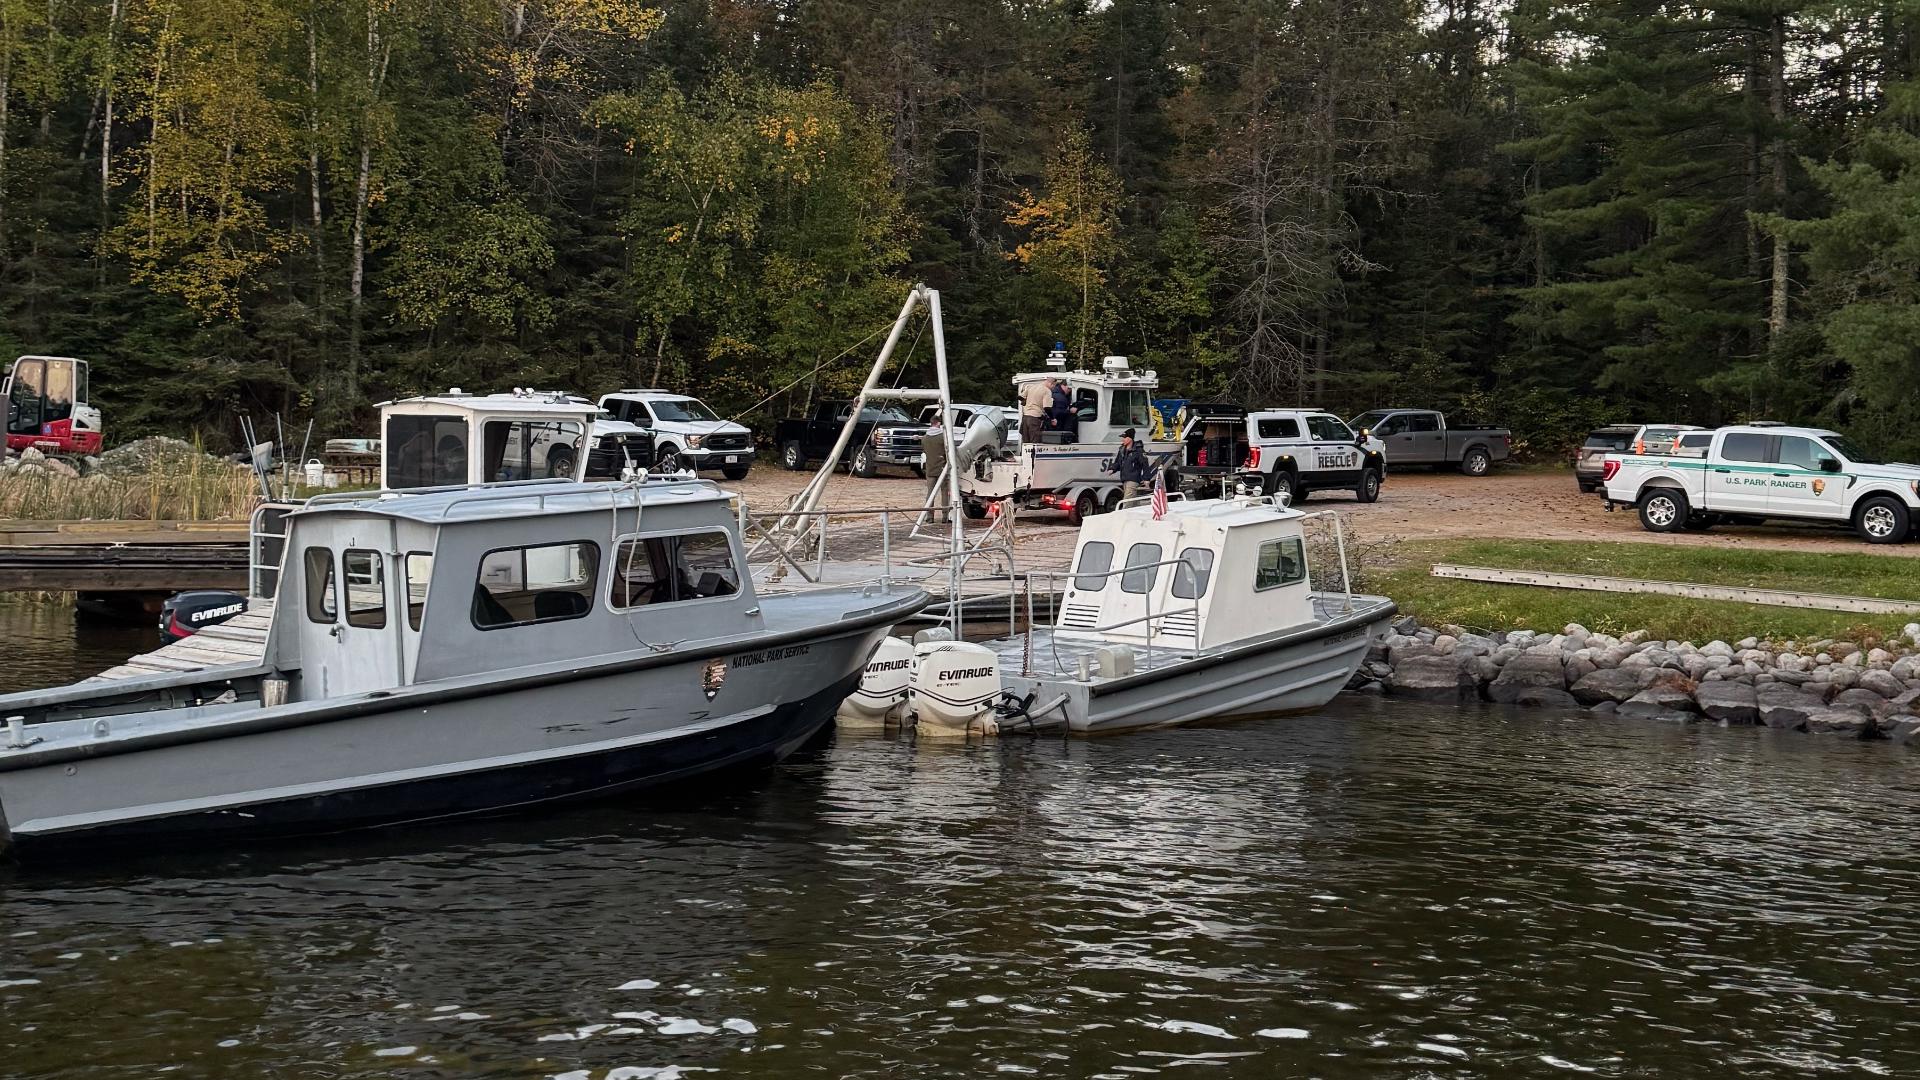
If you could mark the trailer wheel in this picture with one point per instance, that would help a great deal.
(1476, 462)
(1084, 507)
(974, 508)
(1663, 510)
(1369, 489)
(1882, 520)
(793, 456)
(1112, 502)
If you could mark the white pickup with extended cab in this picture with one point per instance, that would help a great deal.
(1755, 472)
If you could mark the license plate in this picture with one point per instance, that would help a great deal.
(732, 460)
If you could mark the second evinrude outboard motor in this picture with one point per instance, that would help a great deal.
(185, 614)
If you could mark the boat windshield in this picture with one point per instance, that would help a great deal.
(1130, 408)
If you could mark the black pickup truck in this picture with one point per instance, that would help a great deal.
(883, 436)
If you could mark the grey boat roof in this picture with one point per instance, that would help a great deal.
(530, 498)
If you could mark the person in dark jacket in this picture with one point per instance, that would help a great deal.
(1061, 416)
(1131, 464)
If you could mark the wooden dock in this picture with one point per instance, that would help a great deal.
(122, 556)
(240, 640)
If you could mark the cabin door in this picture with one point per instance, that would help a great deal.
(1137, 592)
(351, 643)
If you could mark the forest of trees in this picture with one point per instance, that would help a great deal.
(1550, 214)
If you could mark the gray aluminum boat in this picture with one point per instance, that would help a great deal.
(1206, 611)
(451, 652)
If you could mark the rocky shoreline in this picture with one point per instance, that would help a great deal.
(1825, 687)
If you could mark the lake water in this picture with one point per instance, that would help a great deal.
(1384, 890)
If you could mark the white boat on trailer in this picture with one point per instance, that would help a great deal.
(450, 652)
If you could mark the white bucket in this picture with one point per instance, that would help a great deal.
(316, 473)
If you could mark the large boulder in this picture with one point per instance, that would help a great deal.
(1432, 677)
(1546, 697)
(1881, 683)
(1660, 699)
(1405, 648)
(1840, 720)
(1728, 702)
(1785, 706)
(1527, 672)
(1609, 684)
(1901, 730)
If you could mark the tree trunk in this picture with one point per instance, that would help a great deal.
(106, 121)
(1777, 308)
(356, 279)
(313, 160)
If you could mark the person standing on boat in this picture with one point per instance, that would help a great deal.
(934, 445)
(1035, 399)
(1131, 464)
(1060, 416)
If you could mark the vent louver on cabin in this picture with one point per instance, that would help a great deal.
(1181, 624)
(1080, 616)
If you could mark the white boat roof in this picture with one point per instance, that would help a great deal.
(534, 403)
(1219, 513)
(533, 498)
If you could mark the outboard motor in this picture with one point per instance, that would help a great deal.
(185, 614)
(954, 688)
(884, 688)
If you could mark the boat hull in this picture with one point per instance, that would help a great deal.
(589, 738)
(1294, 673)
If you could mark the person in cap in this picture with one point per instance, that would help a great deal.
(1131, 465)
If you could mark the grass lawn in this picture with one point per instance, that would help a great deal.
(1509, 607)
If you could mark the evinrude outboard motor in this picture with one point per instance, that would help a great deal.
(187, 613)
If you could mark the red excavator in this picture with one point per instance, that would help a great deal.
(48, 408)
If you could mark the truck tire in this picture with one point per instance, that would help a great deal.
(735, 472)
(862, 463)
(1882, 519)
(666, 458)
(560, 462)
(1476, 462)
(1664, 510)
(793, 456)
(1369, 489)
(1282, 482)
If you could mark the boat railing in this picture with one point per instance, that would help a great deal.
(1052, 579)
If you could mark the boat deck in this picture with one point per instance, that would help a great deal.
(240, 640)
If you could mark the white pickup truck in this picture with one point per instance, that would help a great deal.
(1277, 451)
(1755, 472)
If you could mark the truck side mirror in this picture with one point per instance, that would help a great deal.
(1828, 464)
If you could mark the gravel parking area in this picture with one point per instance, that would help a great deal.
(1414, 505)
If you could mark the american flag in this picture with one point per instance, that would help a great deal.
(1159, 494)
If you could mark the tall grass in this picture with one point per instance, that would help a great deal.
(196, 490)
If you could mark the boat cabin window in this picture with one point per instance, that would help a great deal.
(1282, 562)
(1130, 409)
(426, 451)
(1086, 405)
(366, 589)
(525, 585)
(665, 569)
(419, 572)
(531, 449)
(1096, 558)
(1141, 569)
(320, 600)
(1191, 576)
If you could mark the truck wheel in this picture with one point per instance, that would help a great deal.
(862, 464)
(1476, 463)
(1084, 507)
(792, 456)
(1663, 510)
(561, 461)
(1882, 520)
(735, 472)
(1281, 482)
(1369, 489)
(667, 459)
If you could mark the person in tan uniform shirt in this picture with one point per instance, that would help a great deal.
(1035, 399)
